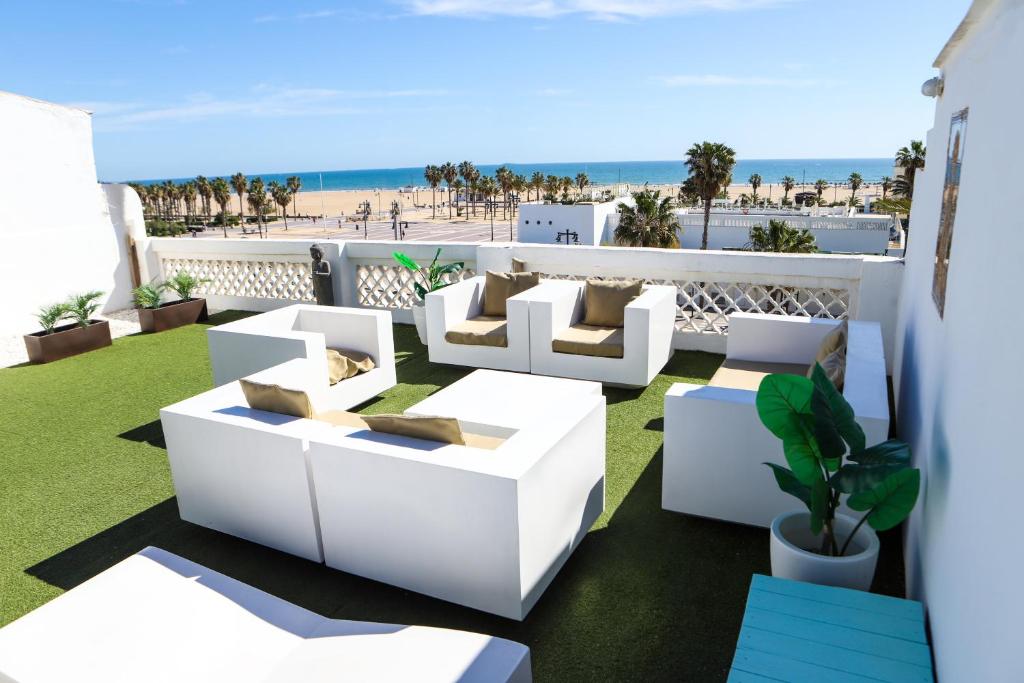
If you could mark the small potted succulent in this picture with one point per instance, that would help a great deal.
(82, 334)
(433, 277)
(828, 460)
(155, 316)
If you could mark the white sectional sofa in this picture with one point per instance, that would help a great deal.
(452, 306)
(715, 443)
(160, 618)
(646, 338)
(241, 348)
(488, 529)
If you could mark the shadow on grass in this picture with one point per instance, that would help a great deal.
(151, 433)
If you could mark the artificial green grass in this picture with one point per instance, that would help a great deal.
(84, 482)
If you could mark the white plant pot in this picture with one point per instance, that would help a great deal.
(791, 539)
(419, 316)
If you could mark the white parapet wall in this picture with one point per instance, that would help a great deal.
(262, 274)
(541, 223)
(832, 234)
(62, 232)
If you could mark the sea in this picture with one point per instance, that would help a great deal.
(600, 173)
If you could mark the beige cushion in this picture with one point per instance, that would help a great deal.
(443, 429)
(590, 340)
(483, 330)
(498, 287)
(834, 341)
(342, 364)
(487, 443)
(274, 398)
(746, 374)
(834, 365)
(606, 301)
(519, 266)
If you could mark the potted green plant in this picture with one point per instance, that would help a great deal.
(155, 316)
(82, 334)
(828, 460)
(431, 278)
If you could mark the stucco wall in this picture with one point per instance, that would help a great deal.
(57, 236)
(832, 239)
(959, 378)
(540, 223)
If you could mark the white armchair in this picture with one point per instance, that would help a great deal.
(459, 307)
(715, 443)
(253, 344)
(634, 355)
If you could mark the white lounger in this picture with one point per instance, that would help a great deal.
(157, 617)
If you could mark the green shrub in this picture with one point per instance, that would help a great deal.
(80, 307)
(49, 316)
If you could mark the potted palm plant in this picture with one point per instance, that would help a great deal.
(155, 316)
(828, 460)
(82, 334)
(428, 279)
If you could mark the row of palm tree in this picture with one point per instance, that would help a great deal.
(193, 199)
(466, 176)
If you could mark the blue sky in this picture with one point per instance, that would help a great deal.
(183, 87)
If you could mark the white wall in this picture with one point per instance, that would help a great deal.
(57, 236)
(540, 223)
(840, 234)
(959, 379)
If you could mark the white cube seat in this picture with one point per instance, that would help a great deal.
(715, 443)
(160, 618)
(556, 310)
(250, 345)
(488, 529)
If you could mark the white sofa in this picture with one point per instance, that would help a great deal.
(243, 471)
(487, 529)
(457, 303)
(241, 348)
(715, 443)
(160, 618)
(648, 330)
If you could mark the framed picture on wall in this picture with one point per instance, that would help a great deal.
(950, 192)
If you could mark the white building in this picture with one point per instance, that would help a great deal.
(958, 374)
(592, 223)
(862, 234)
(65, 233)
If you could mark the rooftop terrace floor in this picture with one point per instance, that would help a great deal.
(648, 595)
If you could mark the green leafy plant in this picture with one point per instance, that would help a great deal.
(80, 307)
(432, 277)
(828, 458)
(49, 316)
(184, 284)
(147, 296)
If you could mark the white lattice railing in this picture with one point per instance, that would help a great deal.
(704, 306)
(252, 278)
(384, 284)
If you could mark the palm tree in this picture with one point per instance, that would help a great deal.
(886, 186)
(256, 196)
(788, 182)
(582, 180)
(820, 185)
(503, 178)
(651, 223)
(466, 169)
(457, 185)
(238, 182)
(188, 195)
(519, 185)
(909, 159)
(294, 184)
(222, 195)
(433, 176)
(537, 182)
(551, 184)
(205, 192)
(281, 196)
(489, 189)
(755, 182)
(449, 173)
(710, 165)
(781, 238)
(566, 184)
(855, 182)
